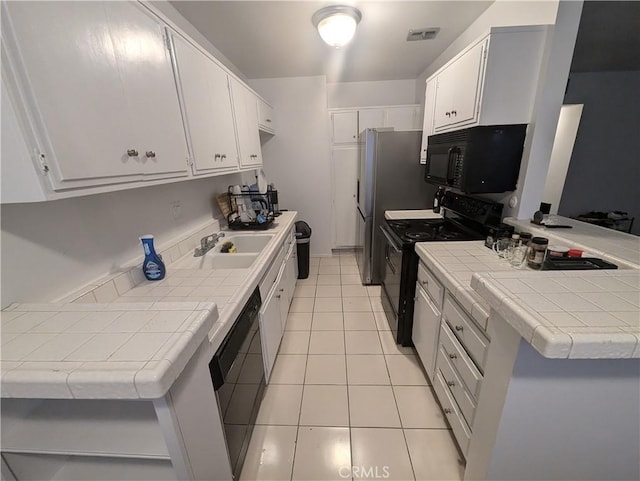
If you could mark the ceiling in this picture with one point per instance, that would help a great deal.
(269, 39)
(608, 37)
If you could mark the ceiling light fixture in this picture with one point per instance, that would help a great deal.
(337, 24)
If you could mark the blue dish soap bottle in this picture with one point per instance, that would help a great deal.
(153, 267)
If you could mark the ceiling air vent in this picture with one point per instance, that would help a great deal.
(422, 34)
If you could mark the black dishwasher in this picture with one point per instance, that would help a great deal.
(237, 372)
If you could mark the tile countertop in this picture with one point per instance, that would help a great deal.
(134, 347)
(411, 214)
(617, 247)
(454, 263)
(562, 314)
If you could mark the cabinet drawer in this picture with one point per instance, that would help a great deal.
(457, 423)
(470, 336)
(430, 284)
(272, 274)
(459, 391)
(460, 360)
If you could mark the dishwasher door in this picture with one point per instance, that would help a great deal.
(237, 373)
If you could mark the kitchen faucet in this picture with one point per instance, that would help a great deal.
(207, 243)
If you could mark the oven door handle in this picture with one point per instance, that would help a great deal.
(390, 240)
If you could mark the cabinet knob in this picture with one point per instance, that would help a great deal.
(278, 296)
(216, 157)
(459, 328)
(425, 283)
(132, 153)
(268, 120)
(453, 112)
(447, 411)
(453, 356)
(281, 289)
(223, 156)
(448, 114)
(451, 383)
(150, 154)
(253, 156)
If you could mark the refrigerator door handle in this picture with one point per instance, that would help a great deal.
(358, 192)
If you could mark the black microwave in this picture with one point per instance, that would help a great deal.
(483, 159)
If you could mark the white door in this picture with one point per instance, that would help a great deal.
(344, 169)
(144, 65)
(245, 107)
(207, 105)
(370, 119)
(402, 118)
(270, 331)
(345, 127)
(70, 61)
(426, 327)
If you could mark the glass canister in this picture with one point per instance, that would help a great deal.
(537, 251)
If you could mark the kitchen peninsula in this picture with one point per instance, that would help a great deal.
(559, 362)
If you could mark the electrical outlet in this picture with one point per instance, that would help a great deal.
(176, 209)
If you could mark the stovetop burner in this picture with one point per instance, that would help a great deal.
(418, 236)
(411, 231)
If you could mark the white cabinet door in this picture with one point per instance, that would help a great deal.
(345, 127)
(270, 330)
(266, 119)
(426, 326)
(370, 119)
(67, 55)
(466, 75)
(207, 106)
(344, 171)
(245, 107)
(402, 118)
(97, 78)
(427, 125)
(144, 65)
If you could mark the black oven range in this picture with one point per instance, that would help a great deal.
(465, 218)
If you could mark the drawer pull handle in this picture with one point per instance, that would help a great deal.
(459, 328)
(150, 154)
(132, 153)
(451, 383)
(453, 356)
(447, 411)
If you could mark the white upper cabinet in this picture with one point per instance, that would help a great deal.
(245, 107)
(427, 126)
(98, 90)
(266, 118)
(344, 127)
(370, 119)
(206, 99)
(402, 118)
(491, 82)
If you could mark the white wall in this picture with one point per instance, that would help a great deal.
(51, 248)
(502, 13)
(561, 154)
(604, 172)
(371, 94)
(298, 158)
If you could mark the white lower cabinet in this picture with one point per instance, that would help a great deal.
(146, 439)
(275, 306)
(426, 325)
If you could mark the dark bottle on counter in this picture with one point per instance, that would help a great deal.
(537, 251)
(437, 199)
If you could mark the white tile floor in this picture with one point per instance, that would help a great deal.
(344, 401)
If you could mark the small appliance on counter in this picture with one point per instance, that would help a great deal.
(483, 159)
(465, 218)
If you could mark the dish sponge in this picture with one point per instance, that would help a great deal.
(228, 248)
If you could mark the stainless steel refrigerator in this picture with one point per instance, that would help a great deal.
(390, 177)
